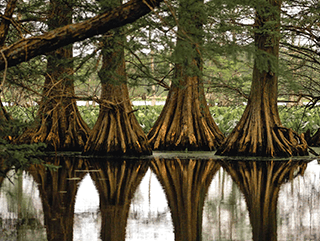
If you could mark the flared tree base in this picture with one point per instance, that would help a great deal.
(185, 122)
(61, 130)
(255, 137)
(117, 132)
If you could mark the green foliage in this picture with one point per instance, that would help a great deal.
(20, 156)
(299, 118)
(89, 114)
(147, 116)
(226, 117)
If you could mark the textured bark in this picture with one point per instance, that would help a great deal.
(185, 183)
(260, 183)
(185, 121)
(259, 131)
(58, 189)
(117, 130)
(28, 48)
(61, 126)
(116, 182)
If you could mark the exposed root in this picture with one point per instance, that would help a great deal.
(117, 132)
(185, 122)
(62, 130)
(249, 140)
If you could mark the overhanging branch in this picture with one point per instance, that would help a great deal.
(28, 48)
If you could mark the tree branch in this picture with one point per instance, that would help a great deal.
(28, 48)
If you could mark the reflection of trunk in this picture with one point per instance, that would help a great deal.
(185, 183)
(117, 130)
(259, 132)
(58, 190)
(260, 183)
(116, 182)
(61, 127)
(185, 121)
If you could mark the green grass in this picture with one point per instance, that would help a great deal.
(298, 118)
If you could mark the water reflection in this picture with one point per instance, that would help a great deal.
(58, 190)
(116, 182)
(185, 182)
(260, 183)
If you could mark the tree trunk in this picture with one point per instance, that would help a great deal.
(260, 183)
(61, 127)
(185, 121)
(117, 130)
(259, 131)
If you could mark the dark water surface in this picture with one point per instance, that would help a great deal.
(169, 196)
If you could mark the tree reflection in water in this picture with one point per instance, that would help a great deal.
(185, 182)
(116, 182)
(58, 190)
(260, 183)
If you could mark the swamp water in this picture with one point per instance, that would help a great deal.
(169, 196)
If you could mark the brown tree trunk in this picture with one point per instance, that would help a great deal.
(260, 183)
(185, 183)
(117, 130)
(259, 131)
(116, 182)
(58, 189)
(61, 126)
(185, 121)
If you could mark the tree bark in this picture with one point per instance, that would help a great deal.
(259, 131)
(61, 126)
(28, 48)
(117, 130)
(185, 121)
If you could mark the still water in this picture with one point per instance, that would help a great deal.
(169, 196)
